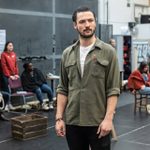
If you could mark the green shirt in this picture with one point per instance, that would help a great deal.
(87, 96)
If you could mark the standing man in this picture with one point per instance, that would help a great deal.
(112, 42)
(88, 89)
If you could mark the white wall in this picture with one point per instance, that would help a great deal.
(119, 14)
(143, 31)
(142, 2)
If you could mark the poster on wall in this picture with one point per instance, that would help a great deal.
(143, 49)
(2, 40)
(141, 52)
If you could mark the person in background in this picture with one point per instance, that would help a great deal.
(33, 80)
(8, 67)
(140, 79)
(112, 42)
(88, 89)
(2, 103)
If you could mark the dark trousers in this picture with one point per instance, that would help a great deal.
(81, 138)
(4, 86)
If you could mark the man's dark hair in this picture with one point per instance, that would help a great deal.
(81, 9)
(142, 65)
(25, 65)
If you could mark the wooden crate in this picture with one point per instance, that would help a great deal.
(29, 126)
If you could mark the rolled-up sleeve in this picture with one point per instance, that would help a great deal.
(63, 81)
(113, 76)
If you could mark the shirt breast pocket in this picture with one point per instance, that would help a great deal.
(71, 69)
(99, 68)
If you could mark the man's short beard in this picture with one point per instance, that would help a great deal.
(86, 36)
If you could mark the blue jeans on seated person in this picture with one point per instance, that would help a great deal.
(146, 91)
(44, 88)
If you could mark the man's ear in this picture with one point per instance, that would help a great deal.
(74, 25)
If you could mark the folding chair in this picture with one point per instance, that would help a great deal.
(16, 91)
(2, 102)
(140, 101)
(3, 113)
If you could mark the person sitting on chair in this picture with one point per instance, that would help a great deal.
(33, 80)
(140, 79)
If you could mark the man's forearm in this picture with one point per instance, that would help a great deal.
(61, 105)
(111, 106)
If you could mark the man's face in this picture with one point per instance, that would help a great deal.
(85, 24)
(30, 67)
(113, 43)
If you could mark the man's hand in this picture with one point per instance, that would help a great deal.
(104, 128)
(60, 128)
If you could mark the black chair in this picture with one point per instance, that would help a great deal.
(140, 101)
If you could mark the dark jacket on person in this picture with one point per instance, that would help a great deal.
(32, 80)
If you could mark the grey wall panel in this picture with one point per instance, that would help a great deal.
(58, 66)
(105, 32)
(68, 6)
(34, 5)
(65, 34)
(44, 65)
(31, 35)
(30, 24)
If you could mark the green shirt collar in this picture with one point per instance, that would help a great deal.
(98, 44)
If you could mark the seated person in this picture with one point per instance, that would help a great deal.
(140, 79)
(33, 80)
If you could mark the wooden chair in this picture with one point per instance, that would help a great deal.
(140, 101)
(16, 91)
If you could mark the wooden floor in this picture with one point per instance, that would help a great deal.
(133, 131)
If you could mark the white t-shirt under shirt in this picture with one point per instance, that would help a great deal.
(83, 53)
